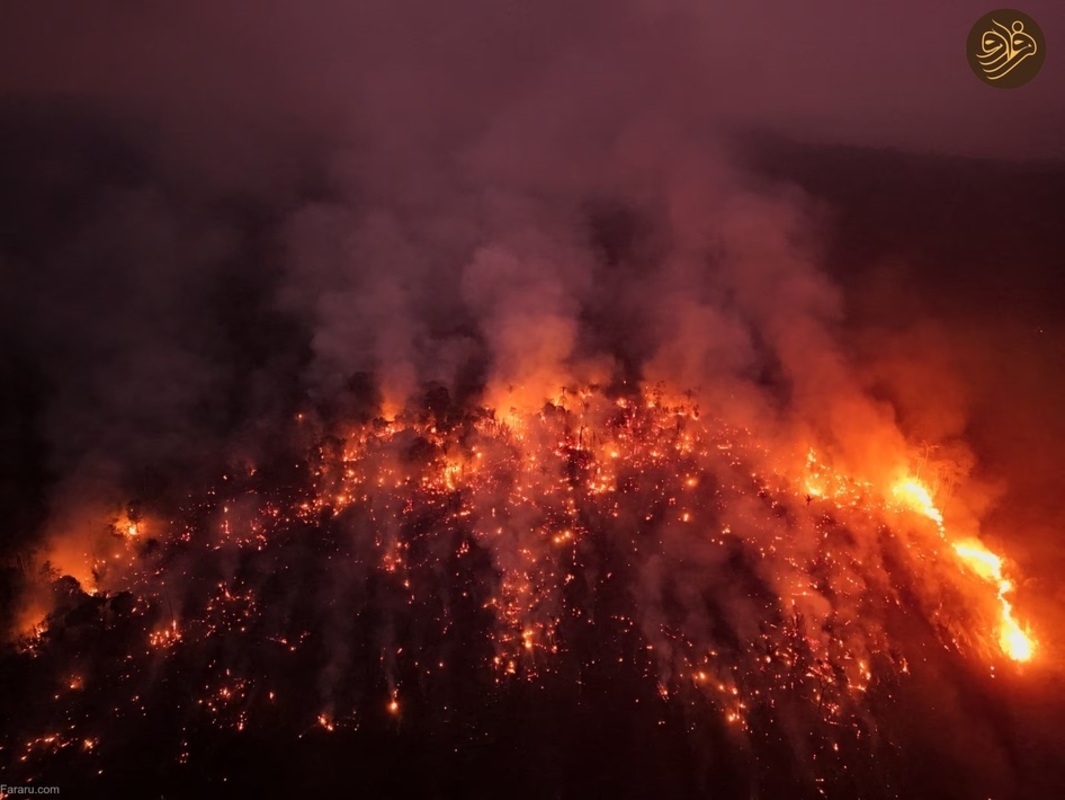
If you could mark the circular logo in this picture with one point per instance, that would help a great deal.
(1006, 48)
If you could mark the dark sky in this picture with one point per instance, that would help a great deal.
(888, 74)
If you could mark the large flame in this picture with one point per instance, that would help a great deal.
(1014, 642)
(915, 495)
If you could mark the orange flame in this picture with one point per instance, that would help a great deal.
(1014, 642)
(913, 494)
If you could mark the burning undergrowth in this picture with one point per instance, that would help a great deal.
(436, 570)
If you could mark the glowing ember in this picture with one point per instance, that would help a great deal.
(740, 578)
(165, 637)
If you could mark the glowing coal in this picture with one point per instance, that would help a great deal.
(757, 583)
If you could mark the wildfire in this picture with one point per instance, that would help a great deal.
(516, 527)
(128, 525)
(1013, 641)
(913, 494)
(165, 637)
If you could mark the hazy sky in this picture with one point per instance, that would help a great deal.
(828, 70)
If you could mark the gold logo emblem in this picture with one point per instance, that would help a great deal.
(1006, 48)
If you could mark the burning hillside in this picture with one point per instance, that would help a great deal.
(410, 399)
(401, 562)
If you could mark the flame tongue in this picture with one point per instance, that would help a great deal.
(1015, 643)
(913, 494)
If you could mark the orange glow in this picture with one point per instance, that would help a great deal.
(1014, 642)
(915, 496)
(532, 488)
